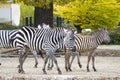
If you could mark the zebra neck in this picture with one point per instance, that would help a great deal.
(99, 40)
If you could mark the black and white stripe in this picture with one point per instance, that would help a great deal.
(48, 40)
(89, 44)
(5, 39)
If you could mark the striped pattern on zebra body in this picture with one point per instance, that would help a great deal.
(89, 44)
(5, 36)
(41, 39)
(5, 40)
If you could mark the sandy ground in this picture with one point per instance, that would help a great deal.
(108, 68)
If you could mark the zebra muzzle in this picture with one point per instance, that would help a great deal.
(74, 49)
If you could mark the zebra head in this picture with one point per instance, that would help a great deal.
(69, 40)
(101, 36)
(106, 38)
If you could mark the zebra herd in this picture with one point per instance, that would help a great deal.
(49, 40)
(86, 44)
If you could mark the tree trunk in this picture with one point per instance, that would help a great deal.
(79, 29)
(43, 15)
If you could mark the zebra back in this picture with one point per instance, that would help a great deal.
(89, 42)
(40, 39)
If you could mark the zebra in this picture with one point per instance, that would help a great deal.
(83, 44)
(5, 39)
(48, 40)
(89, 44)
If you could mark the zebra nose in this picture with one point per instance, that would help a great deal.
(74, 49)
(108, 43)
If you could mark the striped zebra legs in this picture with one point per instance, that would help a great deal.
(22, 57)
(77, 54)
(36, 58)
(50, 64)
(91, 55)
(67, 59)
(0, 57)
(50, 54)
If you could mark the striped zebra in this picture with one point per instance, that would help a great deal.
(6, 42)
(89, 44)
(5, 39)
(48, 40)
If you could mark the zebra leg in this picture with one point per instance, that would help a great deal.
(36, 58)
(21, 64)
(73, 57)
(22, 58)
(50, 64)
(93, 63)
(67, 59)
(89, 57)
(78, 58)
(69, 68)
(0, 58)
(45, 62)
(55, 61)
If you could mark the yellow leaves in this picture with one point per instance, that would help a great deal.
(90, 13)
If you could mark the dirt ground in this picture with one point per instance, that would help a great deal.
(108, 68)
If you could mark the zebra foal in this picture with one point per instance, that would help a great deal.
(88, 44)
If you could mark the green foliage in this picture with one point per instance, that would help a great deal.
(90, 13)
(25, 11)
(8, 27)
(115, 36)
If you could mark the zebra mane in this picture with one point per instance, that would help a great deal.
(97, 32)
(99, 35)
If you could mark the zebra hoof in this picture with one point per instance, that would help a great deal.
(80, 66)
(70, 70)
(21, 71)
(88, 70)
(44, 72)
(35, 66)
(94, 69)
(60, 72)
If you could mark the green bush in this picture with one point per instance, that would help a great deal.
(8, 27)
(115, 36)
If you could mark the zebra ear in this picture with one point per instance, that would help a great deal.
(39, 26)
(75, 31)
(43, 24)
